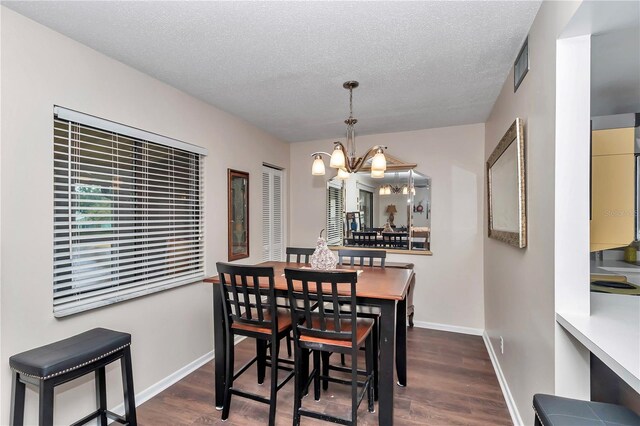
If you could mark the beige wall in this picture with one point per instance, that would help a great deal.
(449, 287)
(519, 283)
(41, 68)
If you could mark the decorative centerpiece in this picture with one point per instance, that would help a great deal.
(323, 258)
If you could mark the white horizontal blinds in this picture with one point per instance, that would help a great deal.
(335, 207)
(272, 214)
(128, 217)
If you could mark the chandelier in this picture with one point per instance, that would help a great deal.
(344, 158)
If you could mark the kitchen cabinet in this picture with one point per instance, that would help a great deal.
(613, 177)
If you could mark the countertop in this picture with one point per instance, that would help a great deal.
(611, 332)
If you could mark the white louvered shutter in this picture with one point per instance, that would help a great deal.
(128, 215)
(272, 214)
(335, 208)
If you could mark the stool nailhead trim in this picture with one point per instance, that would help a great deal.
(74, 367)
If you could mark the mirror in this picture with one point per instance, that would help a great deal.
(393, 212)
(506, 188)
(238, 214)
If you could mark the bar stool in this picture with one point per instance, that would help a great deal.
(553, 410)
(51, 365)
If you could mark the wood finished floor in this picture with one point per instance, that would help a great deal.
(451, 382)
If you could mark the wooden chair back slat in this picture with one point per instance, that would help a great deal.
(302, 254)
(307, 288)
(360, 256)
(244, 300)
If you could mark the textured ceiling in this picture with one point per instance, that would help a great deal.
(281, 65)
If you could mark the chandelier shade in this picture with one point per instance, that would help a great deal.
(344, 158)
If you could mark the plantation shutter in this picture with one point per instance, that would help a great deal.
(335, 208)
(128, 213)
(272, 214)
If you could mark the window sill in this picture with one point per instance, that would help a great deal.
(394, 251)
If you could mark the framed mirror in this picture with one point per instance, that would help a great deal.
(506, 184)
(238, 214)
(391, 213)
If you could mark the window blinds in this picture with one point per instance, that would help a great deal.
(128, 216)
(335, 208)
(272, 214)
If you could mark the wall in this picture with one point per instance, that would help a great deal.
(519, 283)
(449, 287)
(41, 68)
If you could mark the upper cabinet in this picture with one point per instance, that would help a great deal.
(613, 188)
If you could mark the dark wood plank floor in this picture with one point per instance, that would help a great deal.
(451, 382)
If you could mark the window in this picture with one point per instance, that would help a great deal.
(335, 207)
(272, 220)
(128, 213)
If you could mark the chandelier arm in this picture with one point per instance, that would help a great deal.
(360, 161)
(320, 152)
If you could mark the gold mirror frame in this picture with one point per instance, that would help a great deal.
(517, 238)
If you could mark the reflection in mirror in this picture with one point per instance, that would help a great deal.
(393, 212)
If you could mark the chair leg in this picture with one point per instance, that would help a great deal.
(342, 360)
(299, 384)
(17, 400)
(289, 345)
(127, 384)
(316, 375)
(354, 386)
(46, 403)
(274, 380)
(376, 355)
(261, 353)
(369, 352)
(229, 375)
(325, 369)
(101, 395)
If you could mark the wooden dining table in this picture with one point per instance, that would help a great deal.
(384, 288)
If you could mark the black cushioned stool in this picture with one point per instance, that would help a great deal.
(51, 365)
(557, 411)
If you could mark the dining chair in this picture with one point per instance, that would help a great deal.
(365, 238)
(321, 331)
(358, 257)
(372, 258)
(250, 310)
(302, 254)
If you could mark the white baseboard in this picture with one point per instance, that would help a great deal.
(175, 377)
(156, 388)
(447, 327)
(511, 404)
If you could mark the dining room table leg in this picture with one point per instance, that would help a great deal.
(401, 341)
(387, 349)
(218, 349)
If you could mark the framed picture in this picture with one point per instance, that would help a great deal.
(521, 65)
(353, 223)
(506, 184)
(238, 214)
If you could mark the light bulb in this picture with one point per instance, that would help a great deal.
(343, 174)
(318, 166)
(387, 190)
(379, 162)
(337, 158)
(381, 192)
(405, 190)
(377, 174)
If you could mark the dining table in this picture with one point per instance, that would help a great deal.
(382, 288)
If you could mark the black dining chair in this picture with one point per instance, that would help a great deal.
(371, 258)
(362, 257)
(302, 254)
(250, 310)
(321, 331)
